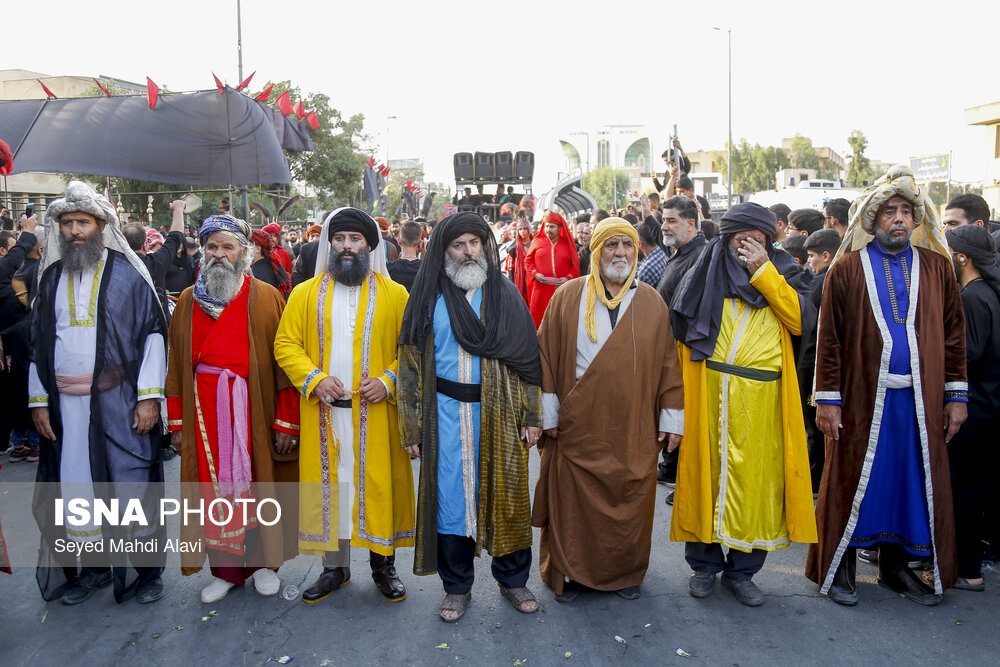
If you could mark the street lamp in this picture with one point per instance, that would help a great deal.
(729, 145)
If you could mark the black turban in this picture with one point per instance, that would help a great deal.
(353, 220)
(508, 332)
(748, 217)
(976, 243)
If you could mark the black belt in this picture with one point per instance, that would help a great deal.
(342, 403)
(464, 393)
(744, 372)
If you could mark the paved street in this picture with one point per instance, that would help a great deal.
(356, 626)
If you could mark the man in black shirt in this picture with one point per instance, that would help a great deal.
(158, 261)
(404, 269)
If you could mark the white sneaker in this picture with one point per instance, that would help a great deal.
(215, 591)
(266, 582)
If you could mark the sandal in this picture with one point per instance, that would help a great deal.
(518, 597)
(454, 602)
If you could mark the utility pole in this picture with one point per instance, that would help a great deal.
(244, 208)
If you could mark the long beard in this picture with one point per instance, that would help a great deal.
(617, 270)
(82, 258)
(348, 268)
(466, 276)
(223, 279)
(890, 243)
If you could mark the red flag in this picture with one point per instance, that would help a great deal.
(218, 84)
(371, 161)
(284, 104)
(300, 111)
(312, 120)
(153, 91)
(265, 94)
(246, 81)
(103, 89)
(48, 92)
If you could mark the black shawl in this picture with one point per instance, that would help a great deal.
(508, 333)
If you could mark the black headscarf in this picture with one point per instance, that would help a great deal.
(976, 243)
(696, 309)
(508, 334)
(352, 220)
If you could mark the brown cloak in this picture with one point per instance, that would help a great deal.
(596, 490)
(851, 366)
(280, 541)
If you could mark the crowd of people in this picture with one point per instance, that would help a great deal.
(827, 378)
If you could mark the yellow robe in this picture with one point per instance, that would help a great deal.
(766, 493)
(383, 508)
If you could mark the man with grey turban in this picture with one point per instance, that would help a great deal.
(971, 450)
(891, 391)
(95, 383)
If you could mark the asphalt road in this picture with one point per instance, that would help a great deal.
(357, 626)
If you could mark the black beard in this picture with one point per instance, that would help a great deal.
(82, 258)
(348, 268)
(889, 243)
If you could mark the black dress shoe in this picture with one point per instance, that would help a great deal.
(385, 577)
(88, 582)
(901, 579)
(869, 556)
(844, 589)
(331, 579)
(670, 498)
(151, 591)
(629, 593)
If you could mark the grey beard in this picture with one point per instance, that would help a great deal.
(670, 240)
(347, 270)
(466, 276)
(222, 278)
(890, 243)
(83, 258)
(616, 271)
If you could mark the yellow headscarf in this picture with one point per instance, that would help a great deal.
(899, 180)
(594, 288)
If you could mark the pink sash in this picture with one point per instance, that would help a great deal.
(234, 456)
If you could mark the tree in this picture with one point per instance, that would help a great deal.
(859, 169)
(802, 155)
(754, 166)
(600, 183)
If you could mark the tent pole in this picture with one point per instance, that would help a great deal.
(239, 51)
(28, 131)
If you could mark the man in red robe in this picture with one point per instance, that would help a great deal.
(232, 413)
(518, 256)
(274, 231)
(551, 261)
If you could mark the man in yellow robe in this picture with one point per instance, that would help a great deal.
(743, 472)
(337, 344)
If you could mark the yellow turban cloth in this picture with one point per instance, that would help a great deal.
(899, 180)
(594, 289)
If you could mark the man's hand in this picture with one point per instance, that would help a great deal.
(176, 440)
(328, 390)
(530, 435)
(647, 210)
(178, 204)
(146, 414)
(559, 281)
(413, 450)
(752, 255)
(674, 442)
(40, 416)
(29, 224)
(552, 432)
(828, 420)
(285, 443)
(673, 171)
(955, 414)
(373, 391)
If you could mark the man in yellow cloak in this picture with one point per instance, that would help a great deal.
(337, 344)
(743, 472)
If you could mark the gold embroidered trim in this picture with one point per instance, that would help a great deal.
(71, 298)
(150, 391)
(36, 400)
(175, 422)
(293, 427)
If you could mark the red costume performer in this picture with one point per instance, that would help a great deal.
(550, 264)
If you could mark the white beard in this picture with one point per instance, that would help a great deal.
(617, 270)
(222, 279)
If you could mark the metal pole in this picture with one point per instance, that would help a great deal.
(239, 51)
(729, 146)
(947, 196)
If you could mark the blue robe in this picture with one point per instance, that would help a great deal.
(894, 508)
(458, 470)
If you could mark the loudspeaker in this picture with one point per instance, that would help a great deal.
(484, 168)
(463, 167)
(524, 166)
(504, 166)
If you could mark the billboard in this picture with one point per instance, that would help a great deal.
(931, 167)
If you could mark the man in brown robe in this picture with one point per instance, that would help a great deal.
(612, 393)
(222, 331)
(891, 390)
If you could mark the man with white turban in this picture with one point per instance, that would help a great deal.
(891, 391)
(95, 383)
